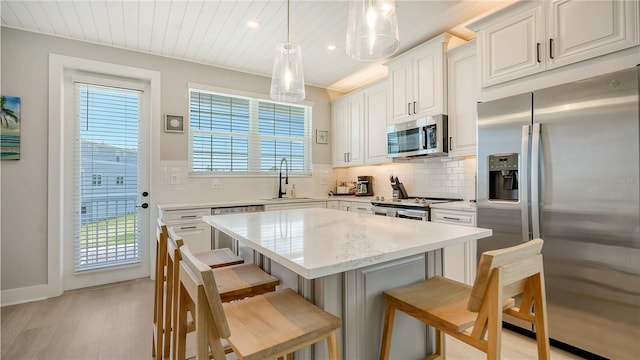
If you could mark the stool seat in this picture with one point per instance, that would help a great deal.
(219, 258)
(241, 281)
(261, 327)
(439, 301)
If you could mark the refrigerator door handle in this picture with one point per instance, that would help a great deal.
(524, 180)
(535, 181)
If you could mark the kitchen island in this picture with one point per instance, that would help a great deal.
(342, 261)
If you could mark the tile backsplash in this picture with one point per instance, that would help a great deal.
(424, 177)
(176, 186)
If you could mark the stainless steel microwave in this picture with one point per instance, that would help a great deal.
(420, 137)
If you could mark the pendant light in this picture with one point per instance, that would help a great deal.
(372, 30)
(287, 81)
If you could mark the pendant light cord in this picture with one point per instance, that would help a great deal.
(288, 12)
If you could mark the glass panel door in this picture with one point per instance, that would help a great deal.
(107, 231)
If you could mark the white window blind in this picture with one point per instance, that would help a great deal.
(237, 135)
(106, 177)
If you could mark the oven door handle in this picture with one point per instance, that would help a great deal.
(379, 210)
(413, 214)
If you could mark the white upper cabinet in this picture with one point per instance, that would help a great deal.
(579, 30)
(532, 36)
(417, 81)
(463, 93)
(376, 116)
(347, 127)
(359, 123)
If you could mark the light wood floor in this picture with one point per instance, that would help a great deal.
(114, 322)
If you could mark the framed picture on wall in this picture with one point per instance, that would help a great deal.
(9, 128)
(174, 123)
(322, 136)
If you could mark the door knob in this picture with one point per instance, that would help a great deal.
(145, 194)
(144, 206)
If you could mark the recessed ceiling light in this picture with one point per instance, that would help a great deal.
(252, 24)
(331, 47)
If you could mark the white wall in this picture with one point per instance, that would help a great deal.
(24, 73)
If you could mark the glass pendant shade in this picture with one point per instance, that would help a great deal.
(372, 30)
(287, 80)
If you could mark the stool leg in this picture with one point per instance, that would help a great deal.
(332, 343)
(181, 325)
(439, 353)
(389, 316)
(540, 314)
(168, 310)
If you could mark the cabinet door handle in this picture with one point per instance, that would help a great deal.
(451, 218)
(551, 48)
(189, 216)
(538, 52)
(187, 227)
(450, 141)
(408, 108)
(349, 157)
(414, 108)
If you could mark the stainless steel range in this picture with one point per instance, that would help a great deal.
(415, 208)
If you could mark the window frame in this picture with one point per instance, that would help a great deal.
(254, 137)
(96, 179)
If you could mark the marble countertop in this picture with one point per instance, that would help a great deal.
(319, 242)
(456, 205)
(213, 204)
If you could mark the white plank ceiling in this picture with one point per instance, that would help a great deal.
(216, 32)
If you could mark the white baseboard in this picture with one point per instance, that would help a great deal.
(23, 295)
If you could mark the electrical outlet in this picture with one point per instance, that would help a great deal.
(215, 184)
(174, 179)
(323, 180)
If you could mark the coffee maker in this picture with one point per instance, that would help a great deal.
(364, 186)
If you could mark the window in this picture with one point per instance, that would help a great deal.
(96, 180)
(119, 180)
(237, 135)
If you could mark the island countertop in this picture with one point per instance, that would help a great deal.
(318, 242)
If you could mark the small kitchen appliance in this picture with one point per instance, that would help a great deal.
(364, 186)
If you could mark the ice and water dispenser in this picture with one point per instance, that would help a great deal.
(503, 177)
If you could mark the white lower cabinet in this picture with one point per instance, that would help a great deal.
(296, 205)
(355, 206)
(188, 224)
(459, 260)
(333, 204)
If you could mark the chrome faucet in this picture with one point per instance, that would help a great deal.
(286, 179)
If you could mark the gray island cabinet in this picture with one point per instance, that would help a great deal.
(342, 261)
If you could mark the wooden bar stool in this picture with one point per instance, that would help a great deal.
(265, 326)
(468, 314)
(235, 282)
(162, 301)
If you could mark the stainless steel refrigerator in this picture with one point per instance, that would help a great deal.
(562, 164)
